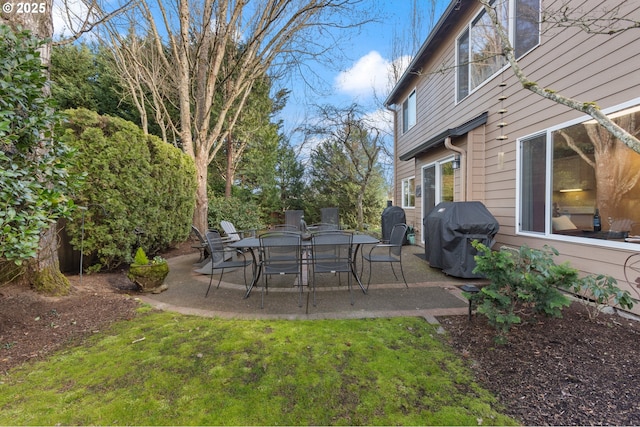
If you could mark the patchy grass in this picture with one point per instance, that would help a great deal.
(171, 369)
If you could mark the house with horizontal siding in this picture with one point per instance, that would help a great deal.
(466, 129)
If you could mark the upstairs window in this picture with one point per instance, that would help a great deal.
(479, 49)
(409, 112)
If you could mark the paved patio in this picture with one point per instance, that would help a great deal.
(430, 293)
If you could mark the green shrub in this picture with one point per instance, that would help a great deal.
(244, 215)
(597, 291)
(146, 187)
(34, 167)
(141, 257)
(523, 285)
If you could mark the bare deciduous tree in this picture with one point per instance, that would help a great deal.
(208, 47)
(359, 143)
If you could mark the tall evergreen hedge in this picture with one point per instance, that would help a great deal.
(146, 187)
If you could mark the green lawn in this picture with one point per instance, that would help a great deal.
(171, 369)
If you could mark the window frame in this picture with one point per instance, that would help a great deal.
(406, 197)
(437, 165)
(464, 70)
(548, 233)
(409, 112)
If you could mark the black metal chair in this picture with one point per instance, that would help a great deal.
(330, 216)
(331, 252)
(220, 256)
(286, 227)
(294, 218)
(202, 244)
(281, 254)
(390, 252)
(322, 226)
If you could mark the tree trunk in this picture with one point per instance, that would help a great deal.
(43, 272)
(360, 207)
(230, 173)
(202, 201)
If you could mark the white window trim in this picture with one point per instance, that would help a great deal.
(548, 235)
(410, 124)
(406, 180)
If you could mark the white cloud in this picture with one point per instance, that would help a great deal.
(381, 119)
(368, 75)
(68, 16)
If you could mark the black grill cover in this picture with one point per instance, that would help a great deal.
(449, 230)
(391, 216)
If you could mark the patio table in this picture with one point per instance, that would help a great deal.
(253, 244)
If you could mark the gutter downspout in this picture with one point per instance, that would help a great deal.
(463, 166)
(395, 159)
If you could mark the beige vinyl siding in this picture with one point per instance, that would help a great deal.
(600, 68)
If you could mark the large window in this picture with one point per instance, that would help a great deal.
(587, 169)
(408, 193)
(409, 112)
(479, 48)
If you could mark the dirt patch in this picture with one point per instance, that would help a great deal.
(34, 325)
(568, 371)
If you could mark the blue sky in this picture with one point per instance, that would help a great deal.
(363, 76)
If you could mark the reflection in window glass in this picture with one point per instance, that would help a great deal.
(408, 193)
(409, 112)
(486, 47)
(527, 24)
(479, 53)
(592, 169)
(428, 189)
(446, 182)
(463, 65)
(532, 183)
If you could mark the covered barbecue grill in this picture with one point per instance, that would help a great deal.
(449, 230)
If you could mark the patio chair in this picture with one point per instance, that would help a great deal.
(322, 226)
(234, 235)
(220, 256)
(331, 252)
(281, 253)
(390, 252)
(294, 218)
(330, 216)
(286, 227)
(201, 245)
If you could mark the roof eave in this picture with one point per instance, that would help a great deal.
(439, 30)
(439, 138)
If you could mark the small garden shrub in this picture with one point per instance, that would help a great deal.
(598, 291)
(522, 286)
(141, 182)
(141, 257)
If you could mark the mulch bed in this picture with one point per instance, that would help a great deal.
(568, 371)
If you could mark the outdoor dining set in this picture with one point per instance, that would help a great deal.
(293, 248)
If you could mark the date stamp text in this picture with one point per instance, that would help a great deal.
(20, 7)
